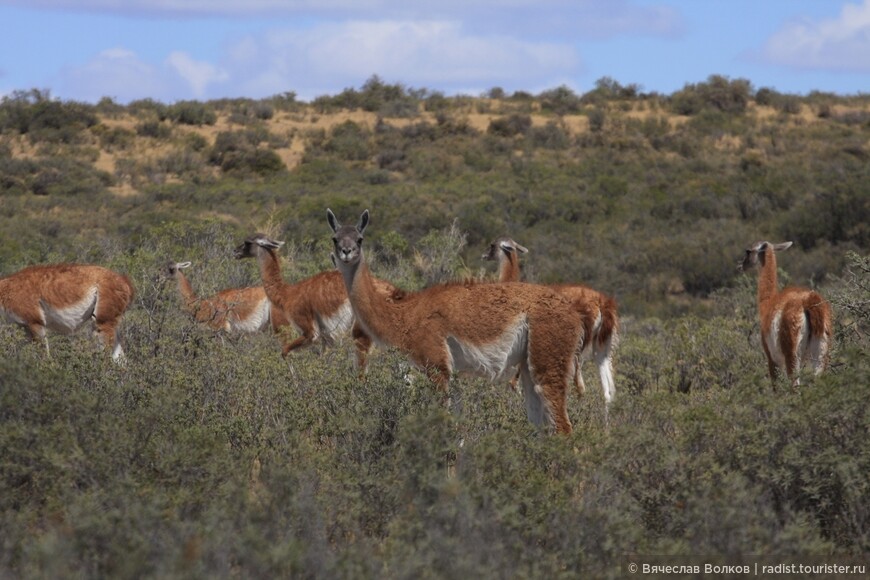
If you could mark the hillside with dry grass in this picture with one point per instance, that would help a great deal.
(652, 196)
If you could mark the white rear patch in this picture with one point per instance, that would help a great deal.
(772, 340)
(493, 360)
(591, 342)
(69, 319)
(802, 343)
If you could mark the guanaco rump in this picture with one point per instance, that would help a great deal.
(599, 313)
(317, 307)
(235, 310)
(796, 322)
(65, 297)
(478, 327)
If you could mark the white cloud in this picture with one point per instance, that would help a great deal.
(116, 73)
(422, 54)
(322, 46)
(198, 75)
(327, 58)
(842, 43)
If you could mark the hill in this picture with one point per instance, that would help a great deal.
(652, 196)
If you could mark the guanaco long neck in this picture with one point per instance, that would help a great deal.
(191, 300)
(509, 267)
(270, 272)
(767, 283)
(379, 316)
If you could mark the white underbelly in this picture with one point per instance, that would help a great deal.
(70, 318)
(330, 328)
(493, 360)
(256, 322)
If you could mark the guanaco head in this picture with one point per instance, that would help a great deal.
(251, 245)
(503, 246)
(347, 240)
(755, 255)
(172, 268)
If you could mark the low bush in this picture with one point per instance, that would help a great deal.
(221, 460)
(191, 113)
(510, 126)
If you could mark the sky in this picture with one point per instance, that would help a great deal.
(171, 50)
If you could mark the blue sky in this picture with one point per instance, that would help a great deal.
(172, 50)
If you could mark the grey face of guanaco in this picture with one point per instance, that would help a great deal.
(347, 241)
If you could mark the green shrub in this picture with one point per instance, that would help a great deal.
(597, 118)
(64, 176)
(256, 161)
(191, 113)
(510, 126)
(116, 139)
(719, 93)
(550, 136)
(154, 129)
(44, 119)
(349, 141)
(561, 101)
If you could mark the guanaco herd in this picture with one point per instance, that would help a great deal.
(537, 334)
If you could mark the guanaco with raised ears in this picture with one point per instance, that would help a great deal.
(598, 311)
(65, 297)
(317, 307)
(796, 323)
(477, 327)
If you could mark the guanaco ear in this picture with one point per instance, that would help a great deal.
(333, 221)
(781, 247)
(268, 243)
(510, 246)
(363, 222)
(181, 265)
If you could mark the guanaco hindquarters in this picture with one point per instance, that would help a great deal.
(597, 310)
(796, 323)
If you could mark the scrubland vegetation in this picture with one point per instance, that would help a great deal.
(210, 456)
